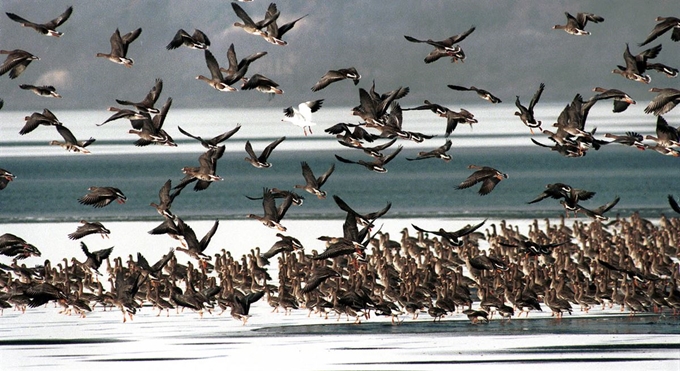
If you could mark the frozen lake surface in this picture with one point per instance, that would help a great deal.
(44, 339)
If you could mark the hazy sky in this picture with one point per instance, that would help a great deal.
(512, 50)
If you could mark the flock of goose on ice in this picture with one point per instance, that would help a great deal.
(631, 263)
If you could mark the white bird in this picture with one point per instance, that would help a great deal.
(302, 116)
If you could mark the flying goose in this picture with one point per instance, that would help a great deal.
(377, 165)
(70, 142)
(248, 25)
(576, 25)
(87, 228)
(43, 90)
(337, 75)
(272, 214)
(302, 116)
(439, 152)
(46, 118)
(313, 184)
(488, 176)
(484, 94)
(102, 196)
(212, 142)
(196, 41)
(146, 105)
(16, 62)
(119, 47)
(664, 25)
(274, 32)
(261, 160)
(526, 114)
(444, 48)
(47, 29)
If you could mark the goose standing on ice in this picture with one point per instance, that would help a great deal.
(302, 116)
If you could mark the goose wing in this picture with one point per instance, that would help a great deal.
(66, 134)
(268, 150)
(203, 244)
(322, 179)
(63, 17)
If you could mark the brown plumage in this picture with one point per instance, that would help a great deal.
(87, 228)
(16, 62)
(313, 184)
(119, 47)
(102, 196)
(487, 175)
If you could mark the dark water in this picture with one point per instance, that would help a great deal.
(47, 188)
